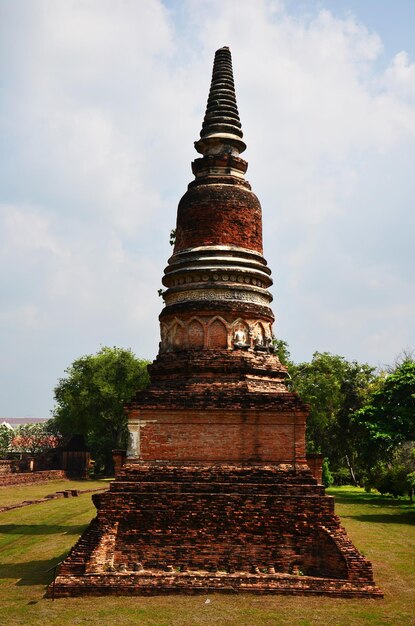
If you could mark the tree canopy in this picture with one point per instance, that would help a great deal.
(90, 400)
(361, 419)
(34, 438)
(335, 389)
(28, 438)
(389, 416)
(387, 420)
(6, 435)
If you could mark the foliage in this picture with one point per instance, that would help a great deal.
(91, 399)
(359, 417)
(327, 476)
(341, 476)
(396, 477)
(282, 351)
(388, 418)
(335, 389)
(6, 435)
(34, 438)
(390, 480)
(29, 438)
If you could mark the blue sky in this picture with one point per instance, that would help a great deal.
(393, 22)
(100, 103)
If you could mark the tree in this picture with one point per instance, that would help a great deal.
(335, 389)
(387, 419)
(91, 399)
(6, 435)
(34, 438)
(397, 475)
(326, 475)
(282, 351)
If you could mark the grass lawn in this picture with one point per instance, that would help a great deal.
(34, 538)
(18, 493)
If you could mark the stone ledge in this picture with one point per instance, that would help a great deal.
(158, 583)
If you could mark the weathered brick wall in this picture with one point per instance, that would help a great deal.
(218, 405)
(6, 467)
(315, 463)
(118, 456)
(232, 531)
(32, 477)
(222, 371)
(158, 582)
(220, 214)
(220, 435)
(194, 520)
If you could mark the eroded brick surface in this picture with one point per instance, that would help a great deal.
(190, 527)
(219, 214)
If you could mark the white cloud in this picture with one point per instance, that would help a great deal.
(26, 316)
(101, 106)
(400, 77)
(26, 230)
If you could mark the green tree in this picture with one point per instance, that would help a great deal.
(90, 400)
(396, 476)
(6, 435)
(34, 438)
(335, 389)
(282, 351)
(387, 419)
(326, 474)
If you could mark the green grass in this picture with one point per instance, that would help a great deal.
(18, 493)
(34, 538)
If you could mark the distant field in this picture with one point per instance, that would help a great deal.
(33, 538)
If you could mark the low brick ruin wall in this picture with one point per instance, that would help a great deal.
(30, 477)
(5, 467)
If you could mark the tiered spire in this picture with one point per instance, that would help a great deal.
(221, 130)
(217, 271)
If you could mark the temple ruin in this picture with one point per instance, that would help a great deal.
(216, 493)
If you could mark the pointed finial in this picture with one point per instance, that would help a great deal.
(221, 130)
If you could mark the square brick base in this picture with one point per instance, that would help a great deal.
(193, 528)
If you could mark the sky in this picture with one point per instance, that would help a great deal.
(100, 103)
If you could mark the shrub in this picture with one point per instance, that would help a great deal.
(327, 476)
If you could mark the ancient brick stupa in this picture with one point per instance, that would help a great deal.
(216, 493)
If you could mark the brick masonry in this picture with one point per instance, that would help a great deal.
(219, 215)
(30, 477)
(216, 493)
(6, 467)
(220, 435)
(196, 528)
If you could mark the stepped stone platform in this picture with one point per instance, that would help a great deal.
(195, 528)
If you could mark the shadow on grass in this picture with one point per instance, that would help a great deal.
(40, 529)
(32, 572)
(386, 518)
(354, 497)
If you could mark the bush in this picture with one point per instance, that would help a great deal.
(327, 476)
(341, 476)
(391, 480)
